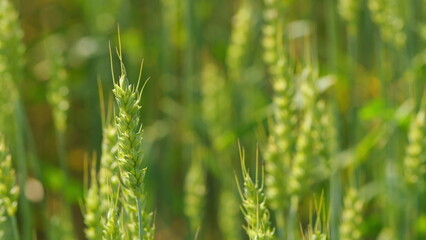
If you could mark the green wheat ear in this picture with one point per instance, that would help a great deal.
(318, 229)
(351, 216)
(109, 174)
(195, 191)
(109, 171)
(253, 206)
(414, 161)
(58, 91)
(241, 27)
(129, 131)
(280, 148)
(11, 64)
(389, 17)
(9, 190)
(112, 217)
(349, 11)
(130, 149)
(93, 212)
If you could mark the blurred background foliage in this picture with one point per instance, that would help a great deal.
(194, 109)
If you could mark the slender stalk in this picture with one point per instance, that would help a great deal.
(14, 228)
(60, 138)
(140, 209)
(410, 216)
(280, 221)
(21, 166)
(292, 217)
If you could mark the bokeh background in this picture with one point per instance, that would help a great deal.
(194, 108)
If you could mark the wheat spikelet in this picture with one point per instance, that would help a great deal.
(351, 216)
(93, 212)
(129, 131)
(11, 64)
(109, 189)
(239, 40)
(280, 147)
(270, 34)
(58, 90)
(112, 223)
(11, 47)
(389, 16)
(414, 160)
(281, 141)
(195, 191)
(130, 151)
(318, 229)
(109, 171)
(349, 11)
(299, 171)
(269, 30)
(9, 189)
(302, 161)
(323, 138)
(253, 206)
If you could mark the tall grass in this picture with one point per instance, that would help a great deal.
(331, 92)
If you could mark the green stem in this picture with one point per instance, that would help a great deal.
(21, 166)
(292, 217)
(62, 153)
(138, 201)
(335, 200)
(14, 227)
(279, 219)
(410, 214)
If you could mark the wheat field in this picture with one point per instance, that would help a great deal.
(199, 119)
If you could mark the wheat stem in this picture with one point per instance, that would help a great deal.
(140, 209)
(14, 227)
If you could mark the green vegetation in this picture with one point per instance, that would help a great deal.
(267, 119)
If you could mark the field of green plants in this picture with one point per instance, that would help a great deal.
(200, 119)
